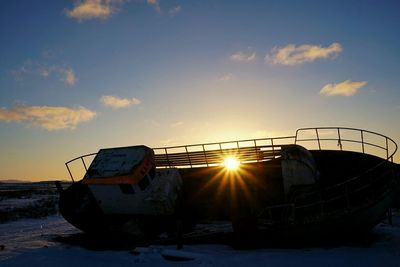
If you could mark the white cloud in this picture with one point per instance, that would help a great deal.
(226, 77)
(155, 4)
(49, 118)
(293, 55)
(116, 102)
(175, 10)
(93, 9)
(240, 56)
(345, 88)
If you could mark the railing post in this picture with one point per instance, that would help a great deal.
(295, 138)
(220, 149)
(362, 141)
(205, 155)
(166, 154)
(255, 149)
(387, 149)
(238, 149)
(84, 165)
(273, 148)
(70, 174)
(187, 154)
(339, 140)
(319, 143)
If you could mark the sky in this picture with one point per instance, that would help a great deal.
(77, 76)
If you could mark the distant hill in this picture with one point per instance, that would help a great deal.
(14, 181)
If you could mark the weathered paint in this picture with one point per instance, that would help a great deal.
(158, 198)
(125, 165)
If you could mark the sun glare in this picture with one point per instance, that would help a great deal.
(231, 163)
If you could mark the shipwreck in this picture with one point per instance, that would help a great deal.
(319, 183)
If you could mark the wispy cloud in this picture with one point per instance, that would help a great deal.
(177, 124)
(66, 75)
(117, 103)
(345, 88)
(25, 69)
(226, 77)
(155, 4)
(93, 9)
(49, 118)
(42, 68)
(175, 10)
(293, 55)
(69, 76)
(154, 123)
(243, 56)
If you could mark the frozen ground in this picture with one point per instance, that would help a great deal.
(27, 200)
(36, 242)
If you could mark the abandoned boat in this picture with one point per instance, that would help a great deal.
(319, 183)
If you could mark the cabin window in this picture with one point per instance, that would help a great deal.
(127, 188)
(144, 183)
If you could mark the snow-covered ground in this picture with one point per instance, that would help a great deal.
(33, 242)
(27, 200)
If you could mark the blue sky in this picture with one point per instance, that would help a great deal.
(76, 76)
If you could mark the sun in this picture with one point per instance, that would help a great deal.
(231, 163)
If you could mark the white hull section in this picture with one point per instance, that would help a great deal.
(151, 196)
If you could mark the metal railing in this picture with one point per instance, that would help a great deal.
(373, 183)
(209, 154)
(213, 154)
(336, 134)
(82, 158)
(254, 150)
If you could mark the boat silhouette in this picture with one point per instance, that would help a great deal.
(318, 184)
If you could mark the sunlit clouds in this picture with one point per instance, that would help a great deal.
(345, 88)
(103, 9)
(293, 55)
(69, 76)
(243, 56)
(155, 4)
(93, 9)
(117, 103)
(47, 117)
(66, 75)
